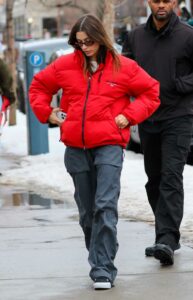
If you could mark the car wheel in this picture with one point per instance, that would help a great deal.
(134, 142)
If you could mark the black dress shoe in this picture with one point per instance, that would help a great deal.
(164, 254)
(149, 251)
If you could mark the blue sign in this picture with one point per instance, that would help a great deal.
(37, 132)
(36, 59)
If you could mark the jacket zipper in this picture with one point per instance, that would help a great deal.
(84, 111)
(100, 75)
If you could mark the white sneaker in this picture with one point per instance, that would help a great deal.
(102, 283)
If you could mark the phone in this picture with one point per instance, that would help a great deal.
(61, 115)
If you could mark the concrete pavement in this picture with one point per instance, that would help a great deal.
(43, 257)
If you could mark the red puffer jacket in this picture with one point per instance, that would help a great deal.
(93, 103)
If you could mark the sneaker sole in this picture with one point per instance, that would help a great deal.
(102, 285)
(164, 257)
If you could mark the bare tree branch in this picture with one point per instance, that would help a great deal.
(59, 4)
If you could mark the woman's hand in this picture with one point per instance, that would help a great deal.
(121, 121)
(53, 119)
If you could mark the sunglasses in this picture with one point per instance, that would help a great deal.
(86, 43)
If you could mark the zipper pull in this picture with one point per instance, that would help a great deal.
(100, 75)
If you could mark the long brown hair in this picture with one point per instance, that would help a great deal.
(95, 30)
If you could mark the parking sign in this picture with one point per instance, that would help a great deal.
(37, 132)
(36, 59)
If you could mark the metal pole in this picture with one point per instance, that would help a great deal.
(37, 132)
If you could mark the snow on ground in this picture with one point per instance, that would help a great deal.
(45, 174)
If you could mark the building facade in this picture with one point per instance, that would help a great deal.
(48, 18)
(2, 14)
(45, 18)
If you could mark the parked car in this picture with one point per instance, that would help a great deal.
(48, 46)
(134, 143)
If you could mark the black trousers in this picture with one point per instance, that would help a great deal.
(165, 146)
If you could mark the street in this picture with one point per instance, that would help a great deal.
(43, 257)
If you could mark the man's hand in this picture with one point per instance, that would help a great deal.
(53, 119)
(121, 121)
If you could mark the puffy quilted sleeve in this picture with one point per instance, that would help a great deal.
(145, 91)
(44, 85)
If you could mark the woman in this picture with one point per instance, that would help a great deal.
(97, 84)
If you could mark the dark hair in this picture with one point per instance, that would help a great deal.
(6, 88)
(95, 30)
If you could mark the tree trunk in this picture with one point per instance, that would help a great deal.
(10, 54)
(109, 18)
(100, 9)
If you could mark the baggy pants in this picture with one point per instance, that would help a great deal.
(165, 145)
(96, 176)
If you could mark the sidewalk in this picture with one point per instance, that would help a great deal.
(42, 257)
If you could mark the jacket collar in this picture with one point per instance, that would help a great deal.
(166, 30)
(80, 57)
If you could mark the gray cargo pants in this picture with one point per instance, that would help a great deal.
(96, 176)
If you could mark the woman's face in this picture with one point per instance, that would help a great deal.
(87, 45)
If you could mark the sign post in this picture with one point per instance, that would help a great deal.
(37, 132)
